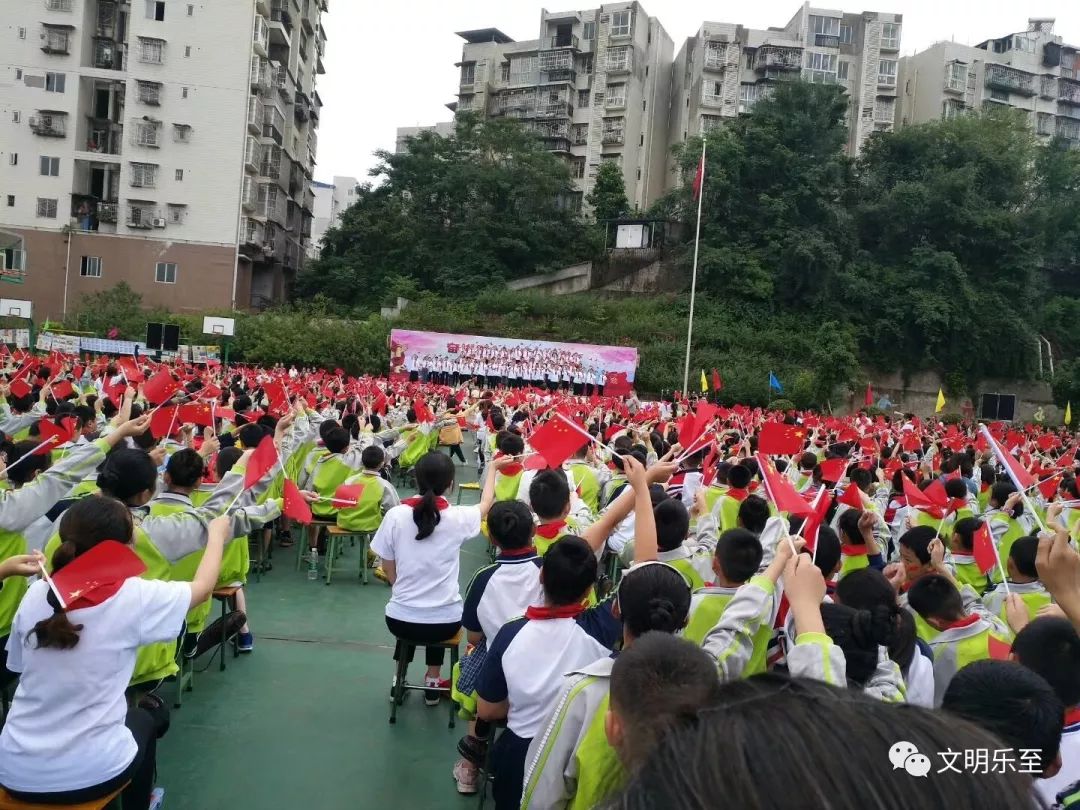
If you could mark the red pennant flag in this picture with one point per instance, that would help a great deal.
(1048, 487)
(93, 577)
(911, 443)
(293, 504)
(717, 382)
(832, 470)
(556, 441)
(62, 389)
(277, 397)
(852, 497)
(699, 176)
(983, 548)
(196, 413)
(19, 388)
(935, 493)
(914, 496)
(52, 435)
(347, 495)
(261, 462)
(816, 518)
(160, 387)
(868, 400)
(1020, 477)
(131, 369)
(164, 421)
(780, 491)
(776, 438)
(535, 462)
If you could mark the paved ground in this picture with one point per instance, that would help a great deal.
(302, 722)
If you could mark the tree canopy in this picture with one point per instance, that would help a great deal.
(608, 196)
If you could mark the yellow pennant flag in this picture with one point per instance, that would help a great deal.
(1068, 413)
(704, 382)
(940, 401)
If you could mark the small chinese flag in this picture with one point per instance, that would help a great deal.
(52, 435)
(293, 504)
(261, 462)
(93, 577)
(851, 497)
(776, 438)
(717, 383)
(699, 175)
(832, 470)
(347, 495)
(160, 387)
(164, 421)
(556, 441)
(983, 548)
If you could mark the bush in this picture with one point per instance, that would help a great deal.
(951, 418)
(781, 405)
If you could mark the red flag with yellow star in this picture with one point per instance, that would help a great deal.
(778, 439)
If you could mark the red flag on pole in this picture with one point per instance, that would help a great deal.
(53, 435)
(93, 577)
(780, 491)
(869, 399)
(776, 438)
(346, 495)
(717, 382)
(983, 548)
(556, 441)
(261, 462)
(293, 504)
(699, 175)
(832, 470)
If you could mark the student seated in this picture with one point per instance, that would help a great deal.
(571, 763)
(70, 736)
(672, 527)
(1023, 581)
(550, 498)
(962, 552)
(1017, 706)
(508, 481)
(1050, 647)
(726, 509)
(864, 636)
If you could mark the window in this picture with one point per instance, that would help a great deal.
(176, 214)
(956, 76)
(58, 5)
(181, 133)
(146, 133)
(641, 139)
(143, 175)
(747, 96)
(504, 72)
(1024, 44)
(842, 70)
(620, 23)
(13, 259)
(612, 131)
(588, 31)
(46, 208)
(587, 64)
(187, 51)
(826, 26)
(179, 175)
(183, 92)
(583, 98)
(887, 72)
(90, 267)
(50, 166)
(13, 158)
(155, 10)
(18, 74)
(579, 134)
(643, 105)
(999, 95)
(15, 117)
(883, 109)
(890, 36)
(11, 200)
(151, 51)
(190, 10)
(165, 272)
(468, 73)
(54, 82)
(577, 167)
(845, 34)
(149, 93)
(56, 40)
(820, 67)
(616, 95)
(618, 58)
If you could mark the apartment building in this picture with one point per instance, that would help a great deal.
(331, 200)
(443, 129)
(594, 85)
(163, 143)
(1033, 70)
(720, 72)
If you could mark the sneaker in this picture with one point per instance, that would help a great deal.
(157, 798)
(246, 643)
(432, 697)
(465, 774)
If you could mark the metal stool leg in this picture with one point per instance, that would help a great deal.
(450, 692)
(402, 651)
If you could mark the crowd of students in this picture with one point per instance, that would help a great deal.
(680, 606)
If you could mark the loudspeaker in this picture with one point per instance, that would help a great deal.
(999, 407)
(153, 336)
(170, 340)
(1006, 407)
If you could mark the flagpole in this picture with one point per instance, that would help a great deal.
(693, 275)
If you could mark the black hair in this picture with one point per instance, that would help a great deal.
(1010, 701)
(241, 403)
(127, 473)
(987, 474)
(84, 524)
(337, 439)
(852, 736)
(653, 597)
(185, 468)
(1000, 492)
(827, 550)
(434, 475)
(935, 597)
(1051, 647)
(1023, 553)
(568, 571)
(251, 435)
(373, 457)
(659, 684)
(848, 527)
(807, 462)
(917, 540)
(226, 458)
(859, 633)
(868, 589)
(510, 524)
(860, 478)
(956, 488)
(24, 471)
(754, 513)
(672, 523)
(739, 553)
(512, 444)
(965, 529)
(549, 494)
(738, 477)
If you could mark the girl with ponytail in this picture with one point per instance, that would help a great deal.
(419, 543)
(69, 725)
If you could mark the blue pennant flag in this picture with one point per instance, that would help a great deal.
(774, 383)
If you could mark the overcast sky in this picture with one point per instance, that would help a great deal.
(390, 63)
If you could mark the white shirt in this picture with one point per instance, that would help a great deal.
(65, 730)
(1070, 766)
(426, 590)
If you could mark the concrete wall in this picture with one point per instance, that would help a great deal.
(574, 279)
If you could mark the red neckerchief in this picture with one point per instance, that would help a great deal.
(1072, 716)
(854, 551)
(440, 503)
(967, 621)
(738, 494)
(549, 531)
(517, 552)
(538, 613)
(510, 470)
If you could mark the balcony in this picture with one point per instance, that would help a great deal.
(301, 107)
(105, 26)
(49, 123)
(252, 154)
(107, 55)
(1069, 129)
(104, 137)
(273, 125)
(557, 109)
(826, 41)
(1010, 79)
(774, 57)
(310, 10)
(558, 76)
(260, 35)
(1068, 91)
(279, 78)
(712, 100)
(612, 138)
(619, 62)
(281, 23)
(716, 56)
(260, 73)
(1044, 124)
(564, 41)
(256, 115)
(56, 39)
(90, 211)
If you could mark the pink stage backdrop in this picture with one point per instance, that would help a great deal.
(619, 363)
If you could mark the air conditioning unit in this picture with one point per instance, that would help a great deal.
(159, 222)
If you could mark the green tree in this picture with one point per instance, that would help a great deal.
(608, 195)
(452, 215)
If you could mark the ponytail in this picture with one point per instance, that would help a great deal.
(57, 631)
(426, 515)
